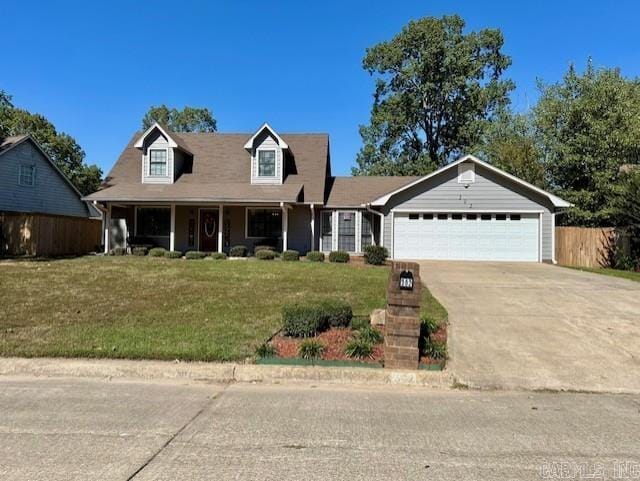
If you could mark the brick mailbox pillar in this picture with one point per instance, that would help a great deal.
(402, 326)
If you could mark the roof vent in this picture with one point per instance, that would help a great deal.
(466, 173)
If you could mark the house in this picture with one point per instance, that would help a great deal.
(41, 212)
(211, 191)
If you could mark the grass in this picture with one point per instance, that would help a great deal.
(630, 275)
(155, 308)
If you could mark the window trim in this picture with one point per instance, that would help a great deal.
(322, 217)
(33, 175)
(166, 162)
(246, 221)
(275, 163)
(135, 222)
(356, 229)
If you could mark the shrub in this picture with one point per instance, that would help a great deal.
(375, 255)
(359, 348)
(339, 256)
(315, 256)
(434, 349)
(173, 254)
(337, 313)
(290, 255)
(157, 252)
(371, 335)
(238, 251)
(310, 349)
(118, 251)
(265, 255)
(360, 322)
(139, 251)
(218, 256)
(266, 350)
(262, 247)
(302, 320)
(428, 326)
(192, 255)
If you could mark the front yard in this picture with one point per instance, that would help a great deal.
(630, 275)
(131, 307)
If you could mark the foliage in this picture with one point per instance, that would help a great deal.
(360, 322)
(428, 325)
(305, 320)
(311, 349)
(337, 313)
(359, 348)
(173, 254)
(193, 255)
(339, 256)
(291, 255)
(63, 149)
(238, 251)
(218, 256)
(375, 255)
(434, 349)
(315, 256)
(140, 251)
(436, 90)
(265, 255)
(118, 251)
(627, 208)
(263, 247)
(266, 350)
(189, 119)
(157, 252)
(371, 334)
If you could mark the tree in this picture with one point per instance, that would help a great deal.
(436, 90)
(589, 126)
(61, 147)
(189, 119)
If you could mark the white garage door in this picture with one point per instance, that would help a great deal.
(477, 237)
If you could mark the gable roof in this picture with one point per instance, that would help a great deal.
(266, 126)
(555, 200)
(174, 139)
(357, 191)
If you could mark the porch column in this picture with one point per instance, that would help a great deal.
(220, 217)
(172, 234)
(107, 229)
(285, 226)
(313, 228)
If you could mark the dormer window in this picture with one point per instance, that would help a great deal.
(266, 163)
(157, 162)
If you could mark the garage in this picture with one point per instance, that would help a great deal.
(474, 236)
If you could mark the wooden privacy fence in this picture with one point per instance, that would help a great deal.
(589, 247)
(47, 235)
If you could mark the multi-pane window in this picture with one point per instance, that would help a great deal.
(367, 229)
(347, 231)
(27, 175)
(264, 223)
(327, 230)
(158, 162)
(153, 221)
(266, 163)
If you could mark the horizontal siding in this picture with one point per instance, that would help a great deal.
(157, 141)
(51, 194)
(266, 142)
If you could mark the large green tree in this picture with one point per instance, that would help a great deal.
(437, 88)
(61, 147)
(189, 119)
(589, 126)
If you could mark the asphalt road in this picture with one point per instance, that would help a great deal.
(87, 429)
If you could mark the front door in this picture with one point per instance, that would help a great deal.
(209, 230)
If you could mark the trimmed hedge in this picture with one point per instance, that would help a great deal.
(193, 255)
(265, 255)
(291, 255)
(118, 251)
(315, 256)
(259, 248)
(375, 255)
(139, 251)
(173, 254)
(339, 256)
(305, 320)
(157, 252)
(238, 251)
(218, 256)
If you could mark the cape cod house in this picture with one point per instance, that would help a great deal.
(212, 191)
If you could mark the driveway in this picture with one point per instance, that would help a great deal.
(537, 326)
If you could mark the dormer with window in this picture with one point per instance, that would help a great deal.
(162, 155)
(266, 148)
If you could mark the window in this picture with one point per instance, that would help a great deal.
(158, 162)
(327, 230)
(266, 163)
(443, 216)
(265, 223)
(347, 231)
(27, 175)
(472, 216)
(485, 217)
(414, 216)
(427, 216)
(366, 232)
(501, 216)
(515, 217)
(153, 221)
(456, 216)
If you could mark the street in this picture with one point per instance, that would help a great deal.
(65, 429)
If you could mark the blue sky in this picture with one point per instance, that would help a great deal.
(93, 68)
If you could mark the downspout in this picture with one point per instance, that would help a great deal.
(369, 209)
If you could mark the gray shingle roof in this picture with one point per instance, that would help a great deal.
(359, 190)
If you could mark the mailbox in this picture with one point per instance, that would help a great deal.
(406, 281)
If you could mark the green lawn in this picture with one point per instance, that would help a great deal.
(131, 307)
(632, 276)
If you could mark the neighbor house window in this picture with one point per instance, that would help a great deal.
(158, 162)
(153, 221)
(347, 231)
(27, 176)
(265, 223)
(366, 232)
(327, 230)
(266, 163)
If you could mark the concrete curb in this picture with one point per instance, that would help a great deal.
(218, 372)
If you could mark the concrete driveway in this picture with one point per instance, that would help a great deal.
(537, 326)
